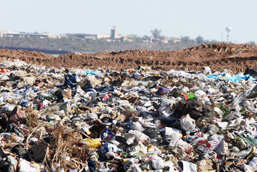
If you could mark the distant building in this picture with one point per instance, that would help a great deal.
(114, 33)
(116, 37)
(3, 33)
(113, 36)
(83, 36)
(170, 40)
(28, 35)
(164, 40)
(54, 36)
(102, 36)
(88, 36)
(177, 41)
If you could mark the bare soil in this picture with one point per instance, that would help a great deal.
(218, 56)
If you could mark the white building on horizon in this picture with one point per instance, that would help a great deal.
(4, 33)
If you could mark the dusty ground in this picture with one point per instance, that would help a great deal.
(217, 56)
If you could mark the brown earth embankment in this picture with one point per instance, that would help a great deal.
(218, 56)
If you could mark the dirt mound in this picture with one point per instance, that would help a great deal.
(218, 56)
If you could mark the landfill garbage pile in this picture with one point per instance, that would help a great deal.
(219, 55)
(56, 119)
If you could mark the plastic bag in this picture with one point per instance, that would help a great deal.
(250, 93)
(222, 148)
(92, 143)
(157, 162)
(169, 131)
(207, 70)
(88, 72)
(188, 124)
(141, 136)
(253, 163)
(26, 166)
(187, 166)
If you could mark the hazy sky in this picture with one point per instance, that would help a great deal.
(174, 17)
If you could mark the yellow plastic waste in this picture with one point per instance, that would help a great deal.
(150, 148)
(252, 152)
(92, 143)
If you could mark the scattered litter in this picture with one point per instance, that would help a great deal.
(129, 120)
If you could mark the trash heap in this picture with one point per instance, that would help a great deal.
(56, 120)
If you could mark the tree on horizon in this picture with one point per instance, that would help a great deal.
(156, 33)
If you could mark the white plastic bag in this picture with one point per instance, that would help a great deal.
(188, 124)
(188, 166)
(157, 162)
(141, 136)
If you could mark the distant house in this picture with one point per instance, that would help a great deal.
(164, 40)
(82, 35)
(28, 35)
(3, 33)
(55, 36)
(102, 36)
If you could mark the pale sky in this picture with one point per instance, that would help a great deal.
(175, 18)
